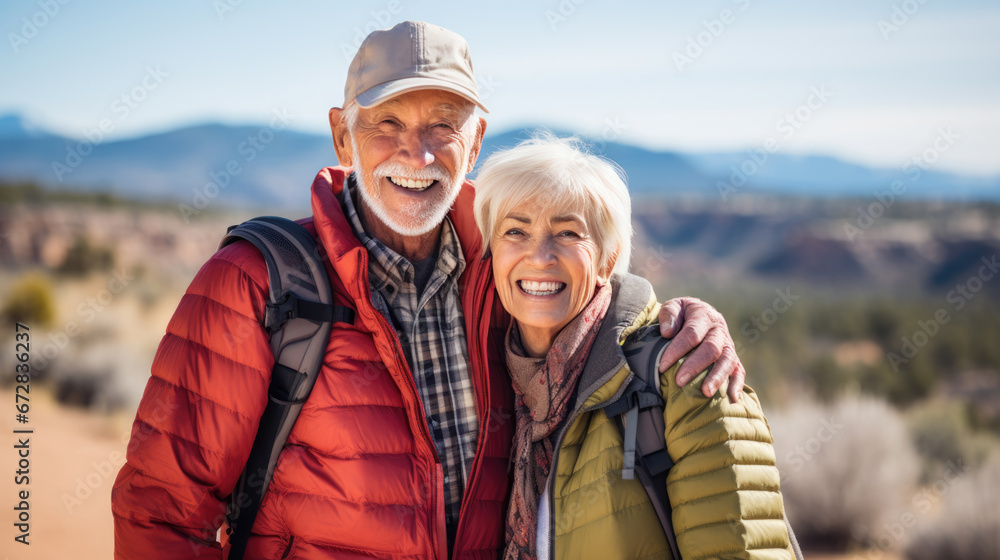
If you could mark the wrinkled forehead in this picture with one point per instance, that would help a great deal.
(425, 102)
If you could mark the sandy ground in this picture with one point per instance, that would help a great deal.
(75, 456)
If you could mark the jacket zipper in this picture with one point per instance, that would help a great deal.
(400, 363)
(484, 420)
(414, 397)
(550, 483)
(288, 548)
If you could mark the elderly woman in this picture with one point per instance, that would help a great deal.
(557, 224)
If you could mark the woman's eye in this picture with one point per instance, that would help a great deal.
(569, 234)
(514, 231)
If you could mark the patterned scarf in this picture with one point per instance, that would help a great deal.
(545, 388)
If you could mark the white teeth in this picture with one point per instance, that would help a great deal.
(541, 288)
(415, 184)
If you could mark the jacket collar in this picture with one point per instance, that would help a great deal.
(631, 295)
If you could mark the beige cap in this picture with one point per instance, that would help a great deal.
(409, 56)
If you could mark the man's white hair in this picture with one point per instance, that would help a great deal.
(560, 172)
(349, 114)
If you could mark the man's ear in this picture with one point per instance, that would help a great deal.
(477, 144)
(341, 138)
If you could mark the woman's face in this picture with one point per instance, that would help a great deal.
(545, 269)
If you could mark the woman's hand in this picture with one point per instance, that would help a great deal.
(696, 325)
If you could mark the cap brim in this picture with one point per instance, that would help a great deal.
(383, 92)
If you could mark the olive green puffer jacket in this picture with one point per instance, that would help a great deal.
(723, 488)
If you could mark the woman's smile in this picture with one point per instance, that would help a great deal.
(540, 288)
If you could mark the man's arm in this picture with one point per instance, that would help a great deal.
(698, 328)
(198, 415)
(724, 486)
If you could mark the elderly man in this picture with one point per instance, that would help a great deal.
(402, 449)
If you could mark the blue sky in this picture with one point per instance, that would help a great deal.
(687, 76)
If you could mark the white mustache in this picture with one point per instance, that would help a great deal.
(396, 169)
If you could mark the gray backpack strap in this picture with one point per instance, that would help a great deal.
(642, 405)
(639, 414)
(793, 540)
(299, 317)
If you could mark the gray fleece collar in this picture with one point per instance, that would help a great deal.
(630, 295)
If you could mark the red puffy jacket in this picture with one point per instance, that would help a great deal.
(359, 476)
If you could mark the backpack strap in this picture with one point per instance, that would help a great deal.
(298, 316)
(639, 415)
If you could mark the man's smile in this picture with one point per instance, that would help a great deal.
(417, 185)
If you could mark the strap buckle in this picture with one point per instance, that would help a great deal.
(285, 308)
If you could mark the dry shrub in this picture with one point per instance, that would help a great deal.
(968, 524)
(943, 436)
(31, 301)
(845, 468)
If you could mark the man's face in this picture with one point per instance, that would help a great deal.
(411, 154)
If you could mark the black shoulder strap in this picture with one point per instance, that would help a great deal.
(299, 317)
(639, 415)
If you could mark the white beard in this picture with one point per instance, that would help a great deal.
(416, 219)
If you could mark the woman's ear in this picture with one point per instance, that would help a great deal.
(604, 272)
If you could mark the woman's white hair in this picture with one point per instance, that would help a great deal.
(547, 170)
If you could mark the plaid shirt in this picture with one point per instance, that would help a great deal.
(431, 328)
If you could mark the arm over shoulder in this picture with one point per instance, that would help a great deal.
(724, 487)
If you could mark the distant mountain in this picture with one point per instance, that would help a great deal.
(826, 176)
(16, 126)
(250, 165)
(647, 171)
(275, 168)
